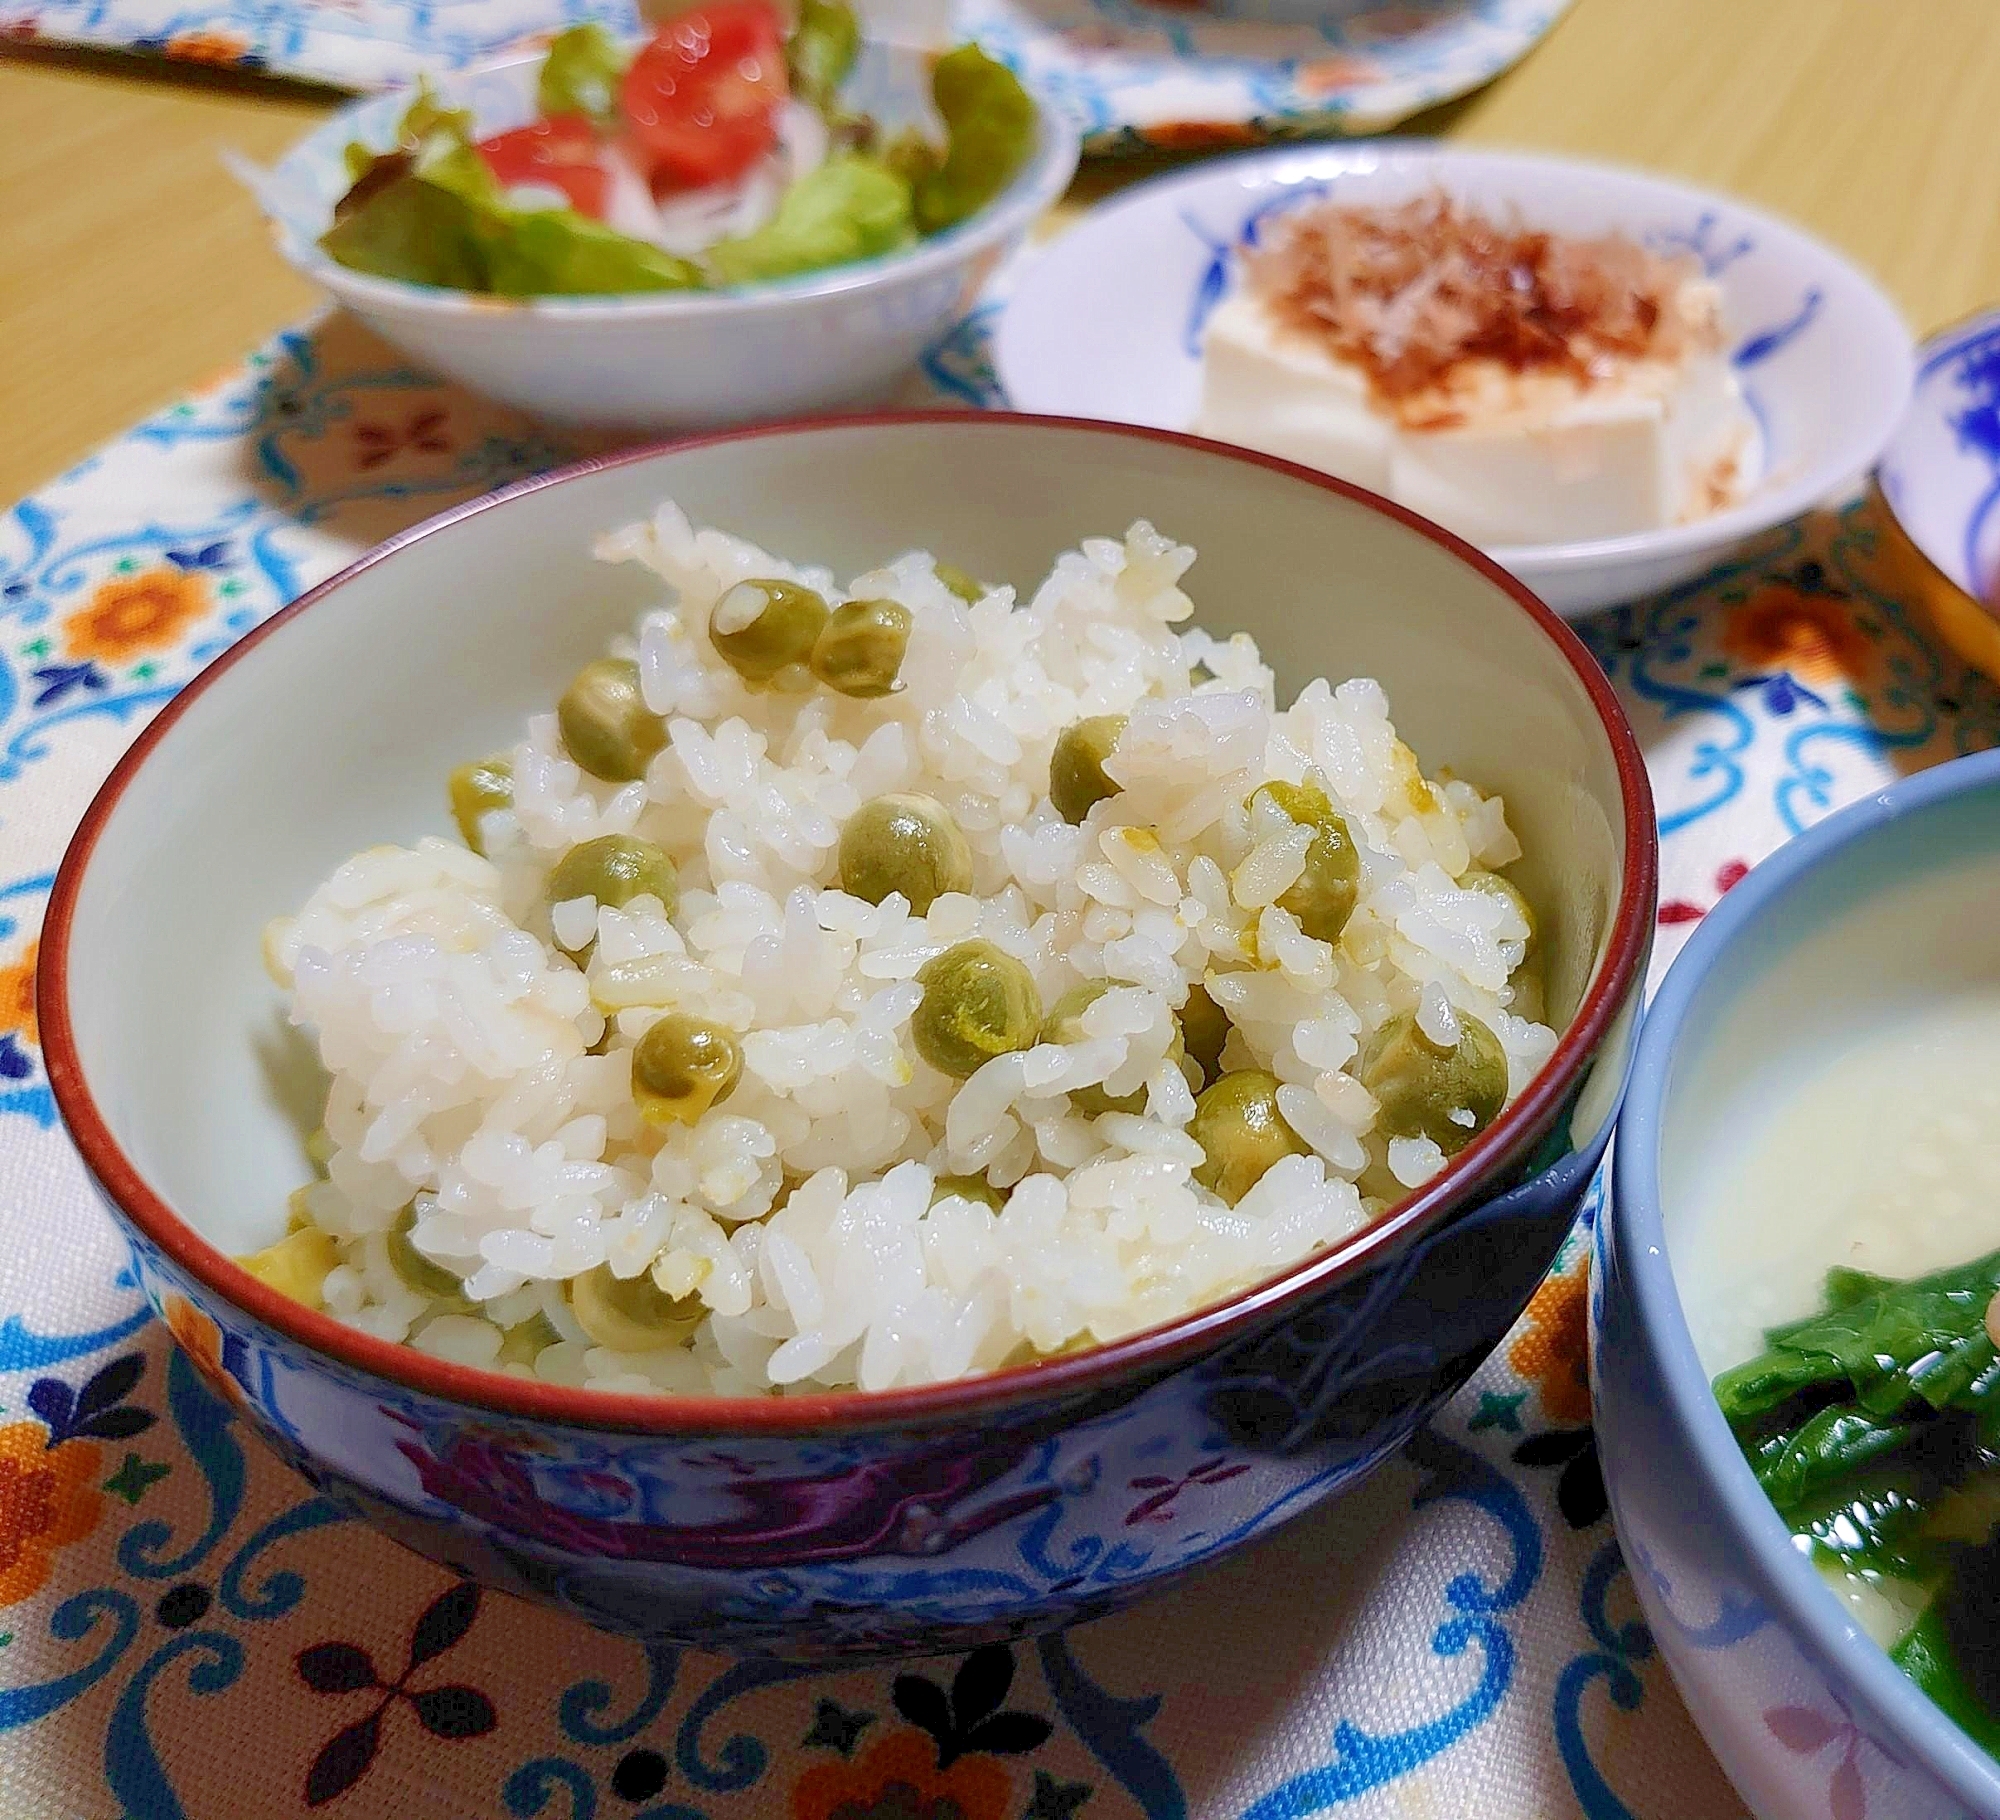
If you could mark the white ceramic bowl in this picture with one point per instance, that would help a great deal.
(669, 360)
(1941, 477)
(1107, 324)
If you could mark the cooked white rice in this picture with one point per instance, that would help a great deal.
(459, 1038)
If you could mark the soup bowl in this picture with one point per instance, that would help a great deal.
(850, 1523)
(1875, 912)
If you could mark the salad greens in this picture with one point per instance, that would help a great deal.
(435, 208)
(850, 208)
(1874, 1428)
(990, 124)
(580, 74)
(444, 220)
(821, 51)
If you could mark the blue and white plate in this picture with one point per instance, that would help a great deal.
(1181, 74)
(1107, 323)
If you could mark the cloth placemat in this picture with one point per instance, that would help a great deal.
(180, 1618)
(1179, 75)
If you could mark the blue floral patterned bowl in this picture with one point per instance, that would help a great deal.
(1940, 475)
(831, 1524)
(1808, 1716)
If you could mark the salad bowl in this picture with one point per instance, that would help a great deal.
(667, 359)
(834, 1523)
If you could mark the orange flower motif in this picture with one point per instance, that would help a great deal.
(134, 613)
(208, 47)
(1551, 1354)
(899, 1779)
(1329, 75)
(48, 1499)
(1809, 635)
(1200, 135)
(201, 1340)
(17, 996)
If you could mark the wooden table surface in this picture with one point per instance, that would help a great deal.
(135, 267)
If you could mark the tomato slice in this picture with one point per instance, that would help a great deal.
(563, 152)
(702, 99)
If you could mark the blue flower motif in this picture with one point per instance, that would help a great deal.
(59, 680)
(14, 1066)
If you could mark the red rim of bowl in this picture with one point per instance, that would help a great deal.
(1143, 1353)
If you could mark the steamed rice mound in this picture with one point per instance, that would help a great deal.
(482, 1147)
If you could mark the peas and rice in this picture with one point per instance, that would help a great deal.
(871, 986)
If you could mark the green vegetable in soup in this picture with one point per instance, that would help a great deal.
(1924, 1339)
(990, 130)
(979, 1002)
(581, 74)
(852, 207)
(1871, 1426)
(821, 51)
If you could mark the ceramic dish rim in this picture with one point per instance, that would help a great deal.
(1625, 941)
(1764, 507)
(1933, 350)
(1033, 189)
(1808, 1606)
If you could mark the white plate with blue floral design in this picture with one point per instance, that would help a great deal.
(1181, 74)
(1941, 477)
(1107, 322)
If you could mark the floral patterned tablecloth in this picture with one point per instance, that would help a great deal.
(185, 1630)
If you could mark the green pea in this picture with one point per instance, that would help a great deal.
(632, 1314)
(525, 1343)
(1420, 1086)
(417, 1271)
(1064, 1024)
(1204, 1030)
(615, 869)
(763, 628)
(1076, 767)
(1492, 884)
(967, 1188)
(477, 790)
(296, 1265)
(861, 648)
(959, 583)
(1241, 1132)
(605, 724)
(906, 843)
(681, 1067)
(978, 1002)
(1323, 896)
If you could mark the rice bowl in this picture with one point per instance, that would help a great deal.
(844, 1213)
